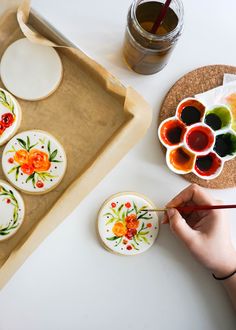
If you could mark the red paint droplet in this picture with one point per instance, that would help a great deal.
(113, 205)
(200, 138)
(8, 201)
(11, 160)
(149, 225)
(129, 247)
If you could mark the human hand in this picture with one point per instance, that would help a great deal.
(205, 233)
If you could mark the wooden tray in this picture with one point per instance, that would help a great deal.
(96, 119)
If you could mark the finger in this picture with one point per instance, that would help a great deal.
(165, 222)
(179, 226)
(165, 219)
(182, 198)
(192, 193)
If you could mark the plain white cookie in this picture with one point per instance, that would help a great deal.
(12, 210)
(34, 162)
(124, 225)
(10, 116)
(30, 71)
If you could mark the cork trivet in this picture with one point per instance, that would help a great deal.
(195, 82)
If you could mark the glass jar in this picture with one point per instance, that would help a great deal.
(144, 51)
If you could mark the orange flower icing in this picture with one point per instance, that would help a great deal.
(132, 222)
(21, 157)
(119, 229)
(39, 160)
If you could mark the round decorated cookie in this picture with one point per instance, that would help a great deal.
(125, 226)
(34, 162)
(30, 71)
(12, 210)
(10, 116)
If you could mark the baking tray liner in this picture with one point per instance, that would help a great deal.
(96, 119)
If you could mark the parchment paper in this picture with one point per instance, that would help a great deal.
(96, 119)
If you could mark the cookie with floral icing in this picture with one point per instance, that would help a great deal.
(12, 210)
(34, 162)
(125, 226)
(10, 116)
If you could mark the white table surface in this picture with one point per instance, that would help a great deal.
(70, 282)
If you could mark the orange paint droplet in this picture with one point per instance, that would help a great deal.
(182, 159)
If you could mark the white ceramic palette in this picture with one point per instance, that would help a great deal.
(30, 71)
(125, 227)
(10, 116)
(12, 210)
(34, 162)
(199, 139)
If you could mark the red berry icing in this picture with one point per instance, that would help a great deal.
(11, 160)
(128, 205)
(149, 225)
(129, 247)
(113, 205)
(39, 184)
(7, 119)
(8, 201)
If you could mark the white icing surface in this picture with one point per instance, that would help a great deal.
(34, 161)
(124, 228)
(30, 71)
(9, 108)
(12, 210)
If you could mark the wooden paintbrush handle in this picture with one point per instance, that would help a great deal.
(196, 208)
(204, 207)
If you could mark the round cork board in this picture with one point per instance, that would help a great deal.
(195, 82)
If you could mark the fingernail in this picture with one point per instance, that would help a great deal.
(170, 212)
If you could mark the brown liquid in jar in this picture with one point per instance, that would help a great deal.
(142, 53)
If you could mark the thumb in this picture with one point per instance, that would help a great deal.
(180, 227)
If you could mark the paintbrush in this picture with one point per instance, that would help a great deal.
(192, 208)
(161, 17)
